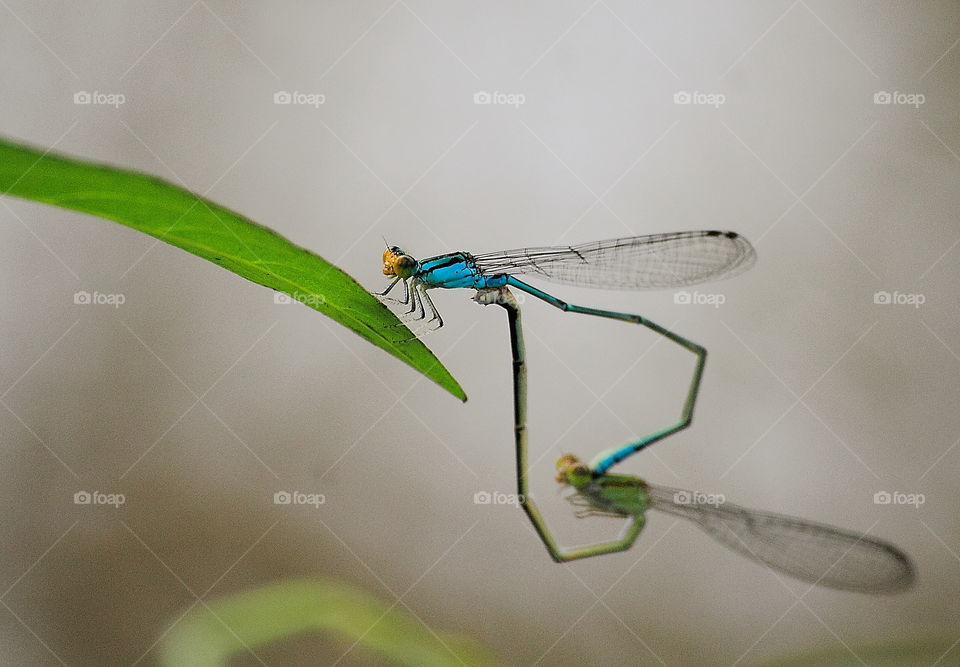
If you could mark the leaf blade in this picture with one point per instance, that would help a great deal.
(206, 229)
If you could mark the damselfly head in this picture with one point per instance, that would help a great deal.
(398, 263)
(572, 471)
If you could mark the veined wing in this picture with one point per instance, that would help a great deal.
(669, 260)
(816, 553)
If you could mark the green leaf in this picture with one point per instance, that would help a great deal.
(236, 624)
(206, 229)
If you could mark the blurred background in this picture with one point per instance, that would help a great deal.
(827, 134)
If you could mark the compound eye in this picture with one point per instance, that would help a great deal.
(403, 266)
(578, 475)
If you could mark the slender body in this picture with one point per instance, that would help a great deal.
(813, 552)
(655, 261)
(661, 261)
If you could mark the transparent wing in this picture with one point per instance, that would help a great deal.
(637, 262)
(813, 552)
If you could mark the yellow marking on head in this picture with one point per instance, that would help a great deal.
(389, 262)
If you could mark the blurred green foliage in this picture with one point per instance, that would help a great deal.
(213, 632)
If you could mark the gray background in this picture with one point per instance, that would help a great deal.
(815, 398)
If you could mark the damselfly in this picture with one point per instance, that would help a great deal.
(671, 260)
(816, 553)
